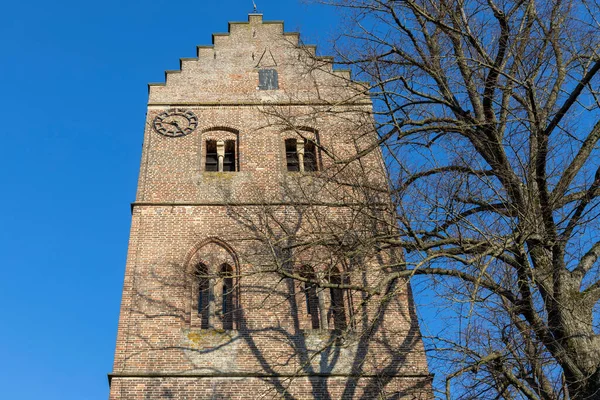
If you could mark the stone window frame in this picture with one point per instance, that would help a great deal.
(301, 134)
(213, 273)
(221, 135)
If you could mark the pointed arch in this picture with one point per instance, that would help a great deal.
(195, 252)
(214, 298)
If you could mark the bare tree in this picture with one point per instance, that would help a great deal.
(488, 114)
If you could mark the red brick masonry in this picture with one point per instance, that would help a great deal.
(184, 217)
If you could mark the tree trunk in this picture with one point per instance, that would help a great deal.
(574, 331)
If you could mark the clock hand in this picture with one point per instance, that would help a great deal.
(176, 125)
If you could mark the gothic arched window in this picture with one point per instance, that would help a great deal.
(312, 297)
(315, 298)
(326, 308)
(338, 308)
(227, 310)
(204, 295)
(215, 297)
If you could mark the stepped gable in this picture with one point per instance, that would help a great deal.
(227, 71)
(243, 140)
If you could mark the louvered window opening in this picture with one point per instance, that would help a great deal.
(310, 156)
(291, 155)
(212, 160)
(292, 159)
(229, 158)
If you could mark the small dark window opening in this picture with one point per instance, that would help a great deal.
(268, 79)
(229, 158)
(212, 160)
(310, 156)
(227, 306)
(291, 155)
(312, 304)
(312, 296)
(337, 304)
(203, 295)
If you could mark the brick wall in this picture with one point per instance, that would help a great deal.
(184, 216)
(192, 388)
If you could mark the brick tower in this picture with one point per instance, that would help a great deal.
(249, 247)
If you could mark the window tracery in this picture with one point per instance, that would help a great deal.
(215, 288)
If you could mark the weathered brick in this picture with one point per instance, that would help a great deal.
(184, 216)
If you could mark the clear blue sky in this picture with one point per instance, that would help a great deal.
(72, 107)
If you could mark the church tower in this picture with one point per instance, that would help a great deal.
(251, 271)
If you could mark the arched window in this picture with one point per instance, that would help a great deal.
(227, 309)
(338, 308)
(215, 297)
(314, 296)
(326, 308)
(204, 295)
(312, 299)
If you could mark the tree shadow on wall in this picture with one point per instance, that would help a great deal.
(292, 361)
(275, 341)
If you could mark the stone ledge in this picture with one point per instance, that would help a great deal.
(179, 375)
(244, 204)
(258, 103)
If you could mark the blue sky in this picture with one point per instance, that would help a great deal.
(72, 105)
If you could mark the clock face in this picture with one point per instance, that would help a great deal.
(176, 122)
